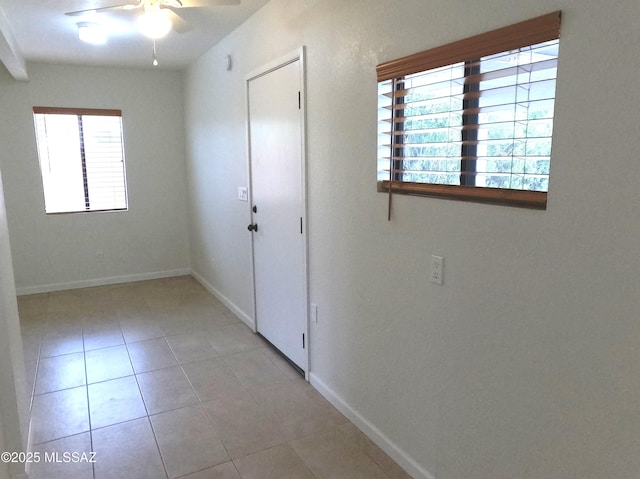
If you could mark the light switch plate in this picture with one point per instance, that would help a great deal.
(243, 193)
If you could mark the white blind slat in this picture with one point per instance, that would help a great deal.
(82, 159)
(505, 114)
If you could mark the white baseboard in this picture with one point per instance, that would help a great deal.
(244, 317)
(404, 460)
(47, 288)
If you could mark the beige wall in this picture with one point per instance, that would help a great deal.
(14, 400)
(60, 251)
(526, 363)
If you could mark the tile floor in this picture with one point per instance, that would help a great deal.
(161, 381)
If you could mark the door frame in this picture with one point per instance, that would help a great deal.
(295, 55)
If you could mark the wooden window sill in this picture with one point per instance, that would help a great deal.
(517, 198)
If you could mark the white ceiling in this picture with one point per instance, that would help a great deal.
(39, 31)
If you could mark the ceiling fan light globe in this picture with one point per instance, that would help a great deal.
(154, 24)
(92, 33)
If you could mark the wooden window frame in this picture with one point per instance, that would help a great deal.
(530, 32)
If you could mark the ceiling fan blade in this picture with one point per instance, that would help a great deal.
(209, 3)
(130, 5)
(185, 18)
(178, 24)
(171, 3)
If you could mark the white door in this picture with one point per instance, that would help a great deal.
(277, 196)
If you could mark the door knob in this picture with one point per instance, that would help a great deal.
(253, 227)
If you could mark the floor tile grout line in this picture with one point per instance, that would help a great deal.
(155, 439)
(86, 385)
(31, 440)
(139, 391)
(148, 417)
(248, 392)
(49, 441)
(201, 404)
(288, 443)
(212, 467)
(182, 366)
(35, 379)
(302, 459)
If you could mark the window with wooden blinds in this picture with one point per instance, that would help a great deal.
(81, 154)
(472, 120)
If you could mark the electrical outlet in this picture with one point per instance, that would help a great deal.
(437, 269)
(100, 256)
(243, 193)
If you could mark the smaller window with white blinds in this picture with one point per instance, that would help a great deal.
(472, 120)
(81, 153)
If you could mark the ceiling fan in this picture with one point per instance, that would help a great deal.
(155, 18)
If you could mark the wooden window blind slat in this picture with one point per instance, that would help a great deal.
(528, 32)
(472, 120)
(47, 110)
